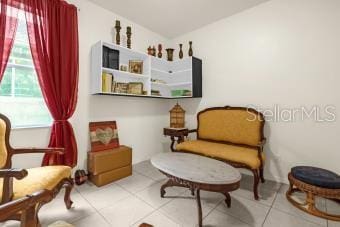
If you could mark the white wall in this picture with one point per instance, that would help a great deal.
(283, 52)
(280, 52)
(140, 121)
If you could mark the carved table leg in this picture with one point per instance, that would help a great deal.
(192, 191)
(180, 139)
(170, 183)
(199, 206)
(172, 143)
(227, 198)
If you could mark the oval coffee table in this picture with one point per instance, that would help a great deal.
(197, 173)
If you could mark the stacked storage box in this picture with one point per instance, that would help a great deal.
(109, 165)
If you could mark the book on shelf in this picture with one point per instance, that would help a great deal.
(107, 79)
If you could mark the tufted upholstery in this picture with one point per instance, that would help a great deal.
(247, 156)
(3, 149)
(230, 125)
(46, 177)
(316, 176)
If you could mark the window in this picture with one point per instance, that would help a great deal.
(20, 94)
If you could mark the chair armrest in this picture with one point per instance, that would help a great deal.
(7, 185)
(38, 150)
(16, 173)
(23, 204)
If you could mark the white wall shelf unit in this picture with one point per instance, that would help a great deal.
(161, 78)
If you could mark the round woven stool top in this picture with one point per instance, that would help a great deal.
(316, 176)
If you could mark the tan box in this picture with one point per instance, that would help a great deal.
(103, 161)
(110, 176)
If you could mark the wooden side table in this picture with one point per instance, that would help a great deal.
(174, 134)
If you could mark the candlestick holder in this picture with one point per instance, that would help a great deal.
(180, 51)
(128, 34)
(190, 49)
(160, 51)
(118, 27)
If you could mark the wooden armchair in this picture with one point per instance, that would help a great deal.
(19, 188)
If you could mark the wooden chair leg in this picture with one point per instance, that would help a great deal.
(256, 184)
(68, 188)
(29, 218)
(261, 175)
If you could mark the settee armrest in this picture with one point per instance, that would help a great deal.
(38, 150)
(262, 142)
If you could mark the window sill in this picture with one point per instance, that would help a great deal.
(30, 127)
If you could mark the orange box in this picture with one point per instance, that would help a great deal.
(110, 165)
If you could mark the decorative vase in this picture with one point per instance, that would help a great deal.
(118, 27)
(180, 51)
(170, 54)
(128, 34)
(160, 51)
(190, 49)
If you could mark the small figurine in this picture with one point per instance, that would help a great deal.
(190, 49)
(160, 51)
(118, 27)
(149, 50)
(128, 34)
(180, 51)
(153, 51)
(170, 53)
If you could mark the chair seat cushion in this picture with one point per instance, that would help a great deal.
(233, 153)
(40, 178)
(316, 176)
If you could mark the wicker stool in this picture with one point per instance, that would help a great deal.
(314, 182)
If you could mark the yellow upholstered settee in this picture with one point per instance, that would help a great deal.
(230, 134)
(17, 184)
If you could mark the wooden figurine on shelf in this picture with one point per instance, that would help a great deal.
(153, 51)
(118, 27)
(177, 117)
(160, 51)
(190, 49)
(149, 50)
(180, 51)
(170, 54)
(128, 34)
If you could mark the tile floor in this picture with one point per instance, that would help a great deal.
(134, 200)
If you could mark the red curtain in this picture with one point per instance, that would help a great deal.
(53, 36)
(8, 27)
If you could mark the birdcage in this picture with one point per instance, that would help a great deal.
(177, 117)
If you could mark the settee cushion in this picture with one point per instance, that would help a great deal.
(40, 178)
(233, 153)
(239, 126)
(316, 176)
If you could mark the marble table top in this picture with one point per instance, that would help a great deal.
(196, 168)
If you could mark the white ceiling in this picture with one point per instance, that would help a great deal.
(172, 18)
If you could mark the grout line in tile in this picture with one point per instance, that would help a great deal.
(271, 207)
(97, 211)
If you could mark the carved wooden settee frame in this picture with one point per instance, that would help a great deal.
(7, 173)
(258, 173)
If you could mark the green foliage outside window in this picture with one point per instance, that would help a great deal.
(20, 94)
